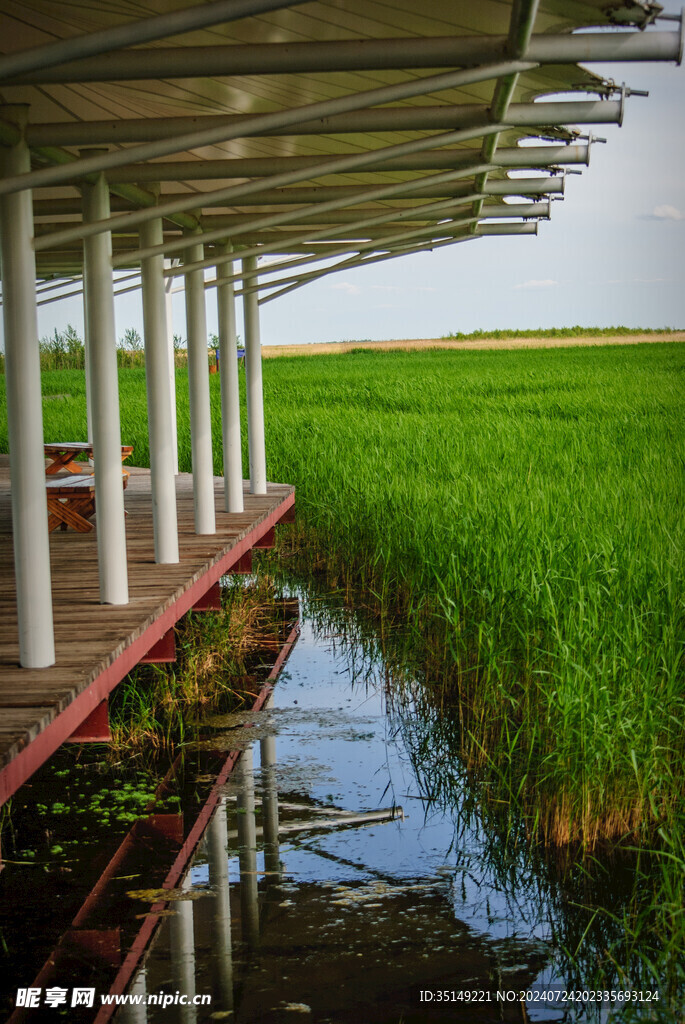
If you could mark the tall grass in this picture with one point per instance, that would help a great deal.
(525, 510)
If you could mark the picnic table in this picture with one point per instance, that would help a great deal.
(64, 455)
(71, 501)
(71, 496)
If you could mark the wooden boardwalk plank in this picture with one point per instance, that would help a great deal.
(93, 642)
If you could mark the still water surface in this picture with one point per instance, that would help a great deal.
(331, 885)
(348, 921)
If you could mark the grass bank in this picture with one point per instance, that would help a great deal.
(525, 510)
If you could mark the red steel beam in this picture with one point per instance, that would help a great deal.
(95, 728)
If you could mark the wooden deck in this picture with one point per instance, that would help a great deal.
(97, 645)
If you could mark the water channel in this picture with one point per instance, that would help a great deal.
(333, 884)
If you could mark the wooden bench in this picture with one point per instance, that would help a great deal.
(71, 501)
(64, 455)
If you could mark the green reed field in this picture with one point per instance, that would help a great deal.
(525, 509)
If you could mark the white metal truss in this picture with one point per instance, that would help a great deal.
(366, 131)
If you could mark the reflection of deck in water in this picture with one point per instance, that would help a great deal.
(112, 929)
(294, 903)
(269, 949)
(96, 644)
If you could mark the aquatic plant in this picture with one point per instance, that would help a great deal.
(218, 656)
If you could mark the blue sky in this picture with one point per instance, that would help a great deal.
(613, 253)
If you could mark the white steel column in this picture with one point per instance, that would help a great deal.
(222, 952)
(86, 370)
(104, 388)
(168, 283)
(25, 422)
(230, 393)
(272, 861)
(198, 378)
(247, 850)
(133, 1013)
(182, 952)
(162, 470)
(253, 376)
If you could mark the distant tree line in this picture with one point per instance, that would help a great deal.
(65, 350)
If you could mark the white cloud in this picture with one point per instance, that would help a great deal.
(537, 284)
(401, 288)
(347, 287)
(666, 212)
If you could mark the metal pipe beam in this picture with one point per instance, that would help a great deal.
(232, 193)
(437, 231)
(133, 33)
(355, 55)
(255, 396)
(239, 225)
(25, 423)
(330, 252)
(529, 227)
(161, 435)
(198, 384)
(102, 361)
(388, 119)
(262, 167)
(358, 261)
(344, 197)
(280, 119)
(230, 392)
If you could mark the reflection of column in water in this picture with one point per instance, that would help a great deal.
(131, 1014)
(247, 847)
(182, 948)
(218, 879)
(272, 864)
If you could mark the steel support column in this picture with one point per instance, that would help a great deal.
(272, 862)
(247, 850)
(182, 954)
(217, 858)
(172, 363)
(160, 427)
(230, 395)
(25, 422)
(198, 379)
(255, 396)
(104, 388)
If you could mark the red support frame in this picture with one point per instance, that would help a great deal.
(95, 728)
(211, 601)
(163, 652)
(64, 724)
(268, 540)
